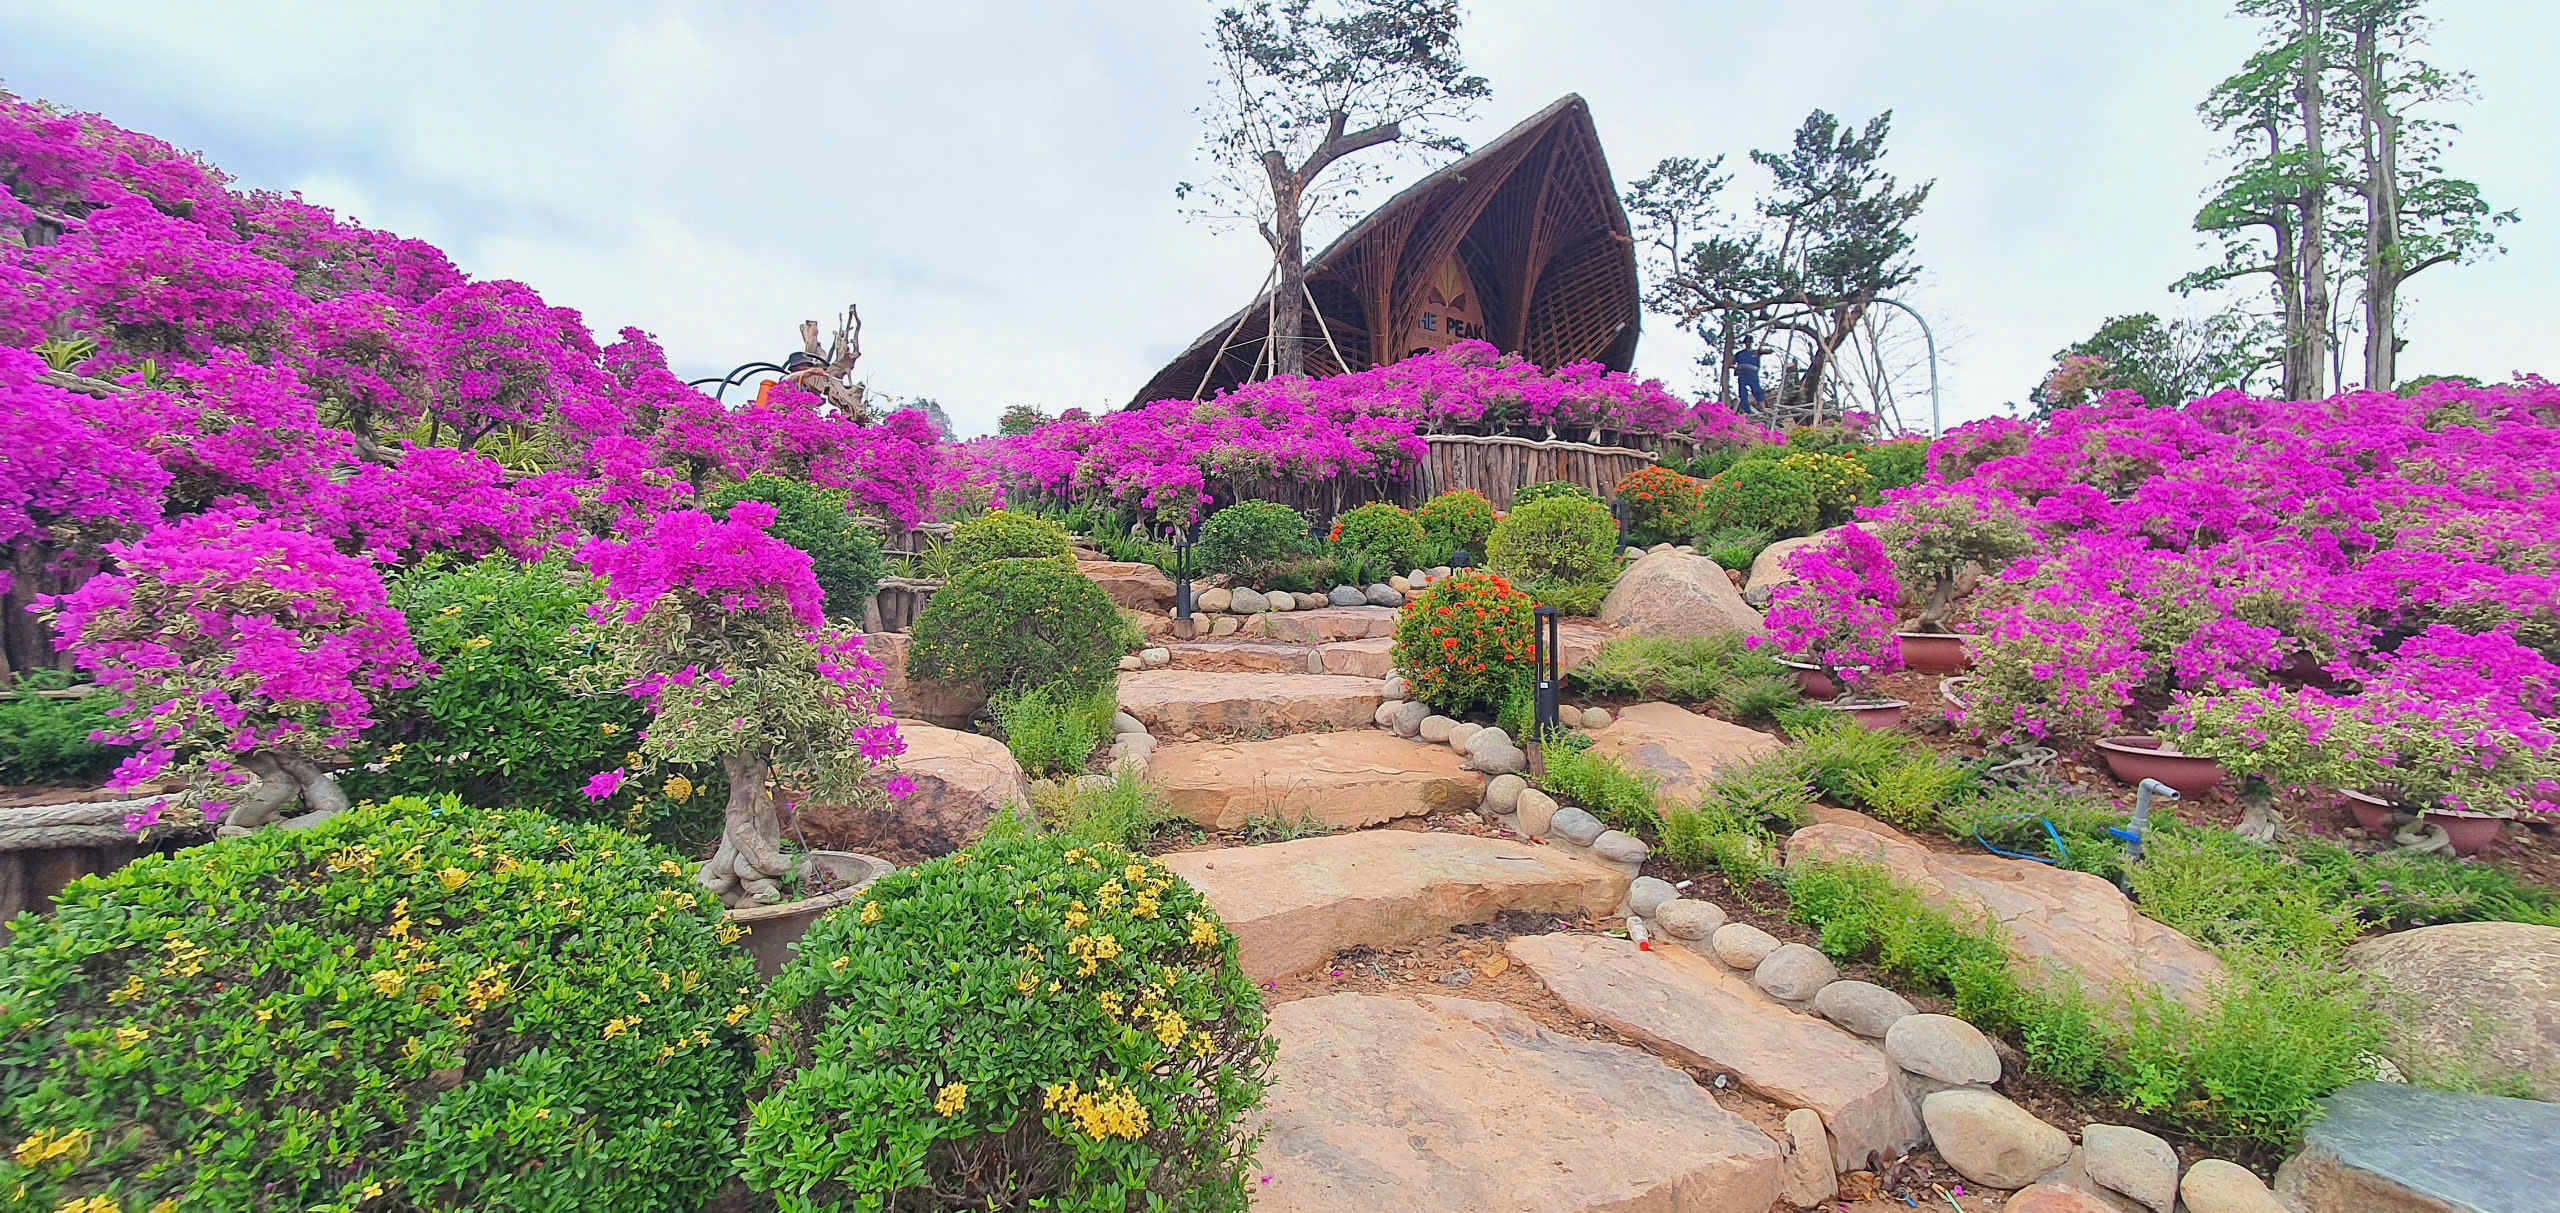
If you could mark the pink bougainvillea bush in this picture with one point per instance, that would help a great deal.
(248, 655)
(1174, 457)
(2240, 557)
(1838, 612)
(715, 626)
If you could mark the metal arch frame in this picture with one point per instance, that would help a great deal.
(734, 377)
(1932, 340)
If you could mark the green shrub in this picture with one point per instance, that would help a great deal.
(1731, 842)
(1734, 547)
(1893, 465)
(1123, 808)
(1383, 533)
(1516, 712)
(1840, 755)
(1768, 789)
(1459, 518)
(1018, 623)
(1297, 575)
(1577, 598)
(499, 724)
(415, 1005)
(1603, 787)
(1032, 1023)
(45, 738)
(1662, 505)
(1251, 533)
(1764, 495)
(1052, 731)
(1548, 490)
(1464, 641)
(1840, 484)
(844, 555)
(2016, 820)
(2229, 893)
(1006, 535)
(1909, 791)
(1564, 540)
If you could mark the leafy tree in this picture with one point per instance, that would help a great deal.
(1831, 235)
(1300, 88)
(1021, 419)
(2169, 362)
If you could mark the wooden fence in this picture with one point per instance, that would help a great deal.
(1495, 466)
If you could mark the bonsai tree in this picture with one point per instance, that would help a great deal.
(715, 625)
(248, 657)
(1838, 613)
(1933, 538)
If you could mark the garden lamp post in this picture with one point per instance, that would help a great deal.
(1545, 638)
(1618, 510)
(1183, 624)
(1460, 560)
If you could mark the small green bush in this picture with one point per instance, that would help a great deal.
(1662, 505)
(1764, 495)
(1909, 791)
(1581, 599)
(1029, 1024)
(1006, 535)
(45, 738)
(1548, 490)
(1603, 787)
(1731, 842)
(1052, 731)
(1464, 641)
(1124, 809)
(844, 555)
(1840, 484)
(1459, 518)
(1564, 540)
(1893, 465)
(1771, 789)
(1002, 624)
(1383, 533)
(1715, 671)
(415, 1005)
(1251, 533)
(1734, 547)
(498, 723)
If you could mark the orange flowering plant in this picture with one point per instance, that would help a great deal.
(1663, 506)
(1465, 640)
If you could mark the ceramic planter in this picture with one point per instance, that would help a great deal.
(1935, 652)
(1952, 691)
(2468, 832)
(771, 930)
(2372, 812)
(1810, 679)
(2134, 759)
(1882, 714)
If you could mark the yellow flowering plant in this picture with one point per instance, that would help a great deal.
(416, 1005)
(1033, 1023)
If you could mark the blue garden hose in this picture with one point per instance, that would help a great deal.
(2061, 854)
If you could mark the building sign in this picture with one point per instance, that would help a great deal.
(1451, 312)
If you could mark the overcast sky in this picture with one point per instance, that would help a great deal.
(992, 182)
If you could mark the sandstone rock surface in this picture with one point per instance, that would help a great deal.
(1991, 1140)
(1676, 594)
(1326, 624)
(1190, 704)
(1359, 658)
(1344, 780)
(1139, 587)
(962, 781)
(1679, 747)
(2485, 995)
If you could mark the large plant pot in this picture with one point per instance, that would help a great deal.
(1884, 714)
(2372, 812)
(1953, 691)
(1935, 652)
(1811, 680)
(771, 930)
(2467, 832)
(2134, 759)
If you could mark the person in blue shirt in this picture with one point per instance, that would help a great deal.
(1746, 374)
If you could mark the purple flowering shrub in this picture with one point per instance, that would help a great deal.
(1838, 613)
(242, 650)
(716, 627)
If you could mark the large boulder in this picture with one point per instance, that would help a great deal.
(1389, 1103)
(1678, 747)
(962, 780)
(1139, 587)
(1769, 568)
(2065, 926)
(914, 698)
(2476, 996)
(2381, 1147)
(1677, 594)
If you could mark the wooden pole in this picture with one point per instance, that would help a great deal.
(1324, 328)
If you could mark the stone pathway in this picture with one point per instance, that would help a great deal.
(1341, 780)
(1176, 704)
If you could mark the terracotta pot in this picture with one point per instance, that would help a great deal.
(2134, 759)
(2372, 812)
(1952, 690)
(2468, 832)
(1935, 652)
(1881, 715)
(1811, 680)
(771, 930)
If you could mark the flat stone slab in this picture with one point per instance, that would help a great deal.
(1196, 703)
(1293, 905)
(1238, 657)
(1324, 625)
(1139, 587)
(2388, 1148)
(1344, 780)
(1694, 1010)
(1578, 639)
(1679, 747)
(1383, 1104)
(2051, 918)
(1360, 658)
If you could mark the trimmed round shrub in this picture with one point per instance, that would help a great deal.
(1562, 539)
(416, 1005)
(1465, 640)
(1892, 465)
(1764, 495)
(1018, 623)
(844, 555)
(1250, 533)
(1382, 533)
(1006, 535)
(1459, 518)
(1662, 506)
(1840, 484)
(1026, 1024)
(1546, 489)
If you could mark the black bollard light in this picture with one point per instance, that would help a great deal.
(1460, 560)
(1181, 575)
(1546, 638)
(1618, 510)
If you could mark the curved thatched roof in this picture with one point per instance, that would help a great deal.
(1534, 219)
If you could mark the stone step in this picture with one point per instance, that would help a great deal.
(1323, 625)
(1345, 780)
(1679, 747)
(1244, 657)
(1293, 905)
(1359, 658)
(1188, 704)
(1385, 1103)
(1695, 1011)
